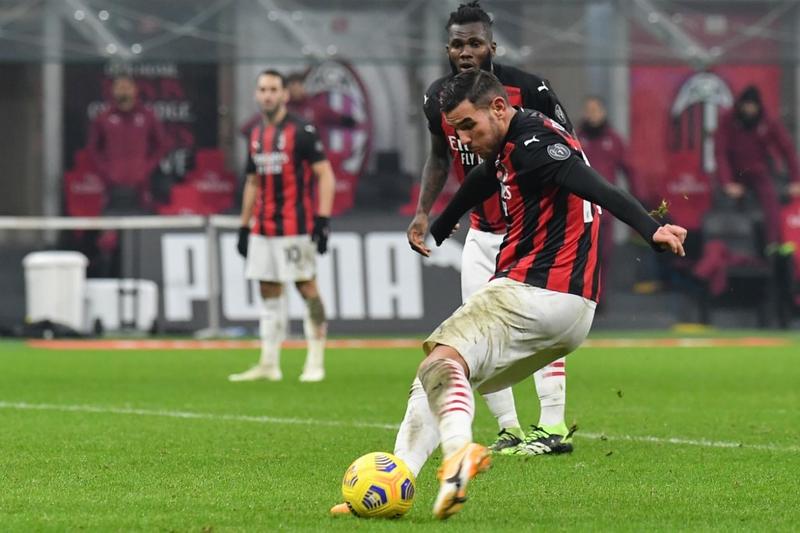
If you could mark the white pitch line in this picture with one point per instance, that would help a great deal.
(189, 415)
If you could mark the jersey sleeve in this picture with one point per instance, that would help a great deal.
(539, 158)
(310, 145)
(433, 114)
(541, 97)
(249, 165)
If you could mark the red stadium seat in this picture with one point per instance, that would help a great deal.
(84, 193)
(209, 159)
(216, 189)
(82, 160)
(791, 231)
(185, 199)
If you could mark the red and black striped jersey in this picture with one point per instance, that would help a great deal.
(526, 90)
(552, 233)
(281, 156)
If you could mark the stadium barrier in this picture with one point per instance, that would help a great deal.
(370, 280)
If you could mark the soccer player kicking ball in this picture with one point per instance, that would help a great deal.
(283, 155)
(470, 46)
(540, 303)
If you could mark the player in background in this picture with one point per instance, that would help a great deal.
(284, 153)
(470, 46)
(540, 303)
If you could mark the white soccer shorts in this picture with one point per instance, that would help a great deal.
(281, 259)
(508, 330)
(478, 260)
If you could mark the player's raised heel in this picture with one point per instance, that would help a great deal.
(454, 474)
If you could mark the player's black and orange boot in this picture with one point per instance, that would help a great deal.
(454, 474)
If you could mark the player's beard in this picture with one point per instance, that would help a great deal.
(124, 101)
(486, 65)
(749, 121)
(593, 131)
(270, 114)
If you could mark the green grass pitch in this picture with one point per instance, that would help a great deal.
(670, 439)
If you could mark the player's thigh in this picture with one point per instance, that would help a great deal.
(507, 330)
(261, 261)
(298, 259)
(478, 260)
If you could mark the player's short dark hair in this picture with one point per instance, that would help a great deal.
(273, 72)
(476, 85)
(469, 13)
(295, 77)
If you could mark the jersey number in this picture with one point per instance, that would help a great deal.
(292, 254)
(588, 211)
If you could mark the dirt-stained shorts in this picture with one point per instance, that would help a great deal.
(281, 259)
(507, 330)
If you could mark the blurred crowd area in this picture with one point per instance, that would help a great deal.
(142, 107)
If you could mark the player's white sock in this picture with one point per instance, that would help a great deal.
(551, 385)
(272, 330)
(451, 401)
(419, 434)
(501, 405)
(315, 328)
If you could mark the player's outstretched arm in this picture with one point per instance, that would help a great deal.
(588, 184)
(434, 176)
(479, 185)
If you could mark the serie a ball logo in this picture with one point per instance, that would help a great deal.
(378, 485)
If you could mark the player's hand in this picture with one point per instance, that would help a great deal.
(244, 236)
(794, 188)
(440, 231)
(320, 233)
(734, 190)
(671, 237)
(416, 234)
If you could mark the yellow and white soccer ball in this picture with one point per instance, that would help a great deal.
(378, 484)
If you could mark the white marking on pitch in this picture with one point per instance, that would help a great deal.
(189, 415)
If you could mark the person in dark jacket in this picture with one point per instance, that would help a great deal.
(746, 143)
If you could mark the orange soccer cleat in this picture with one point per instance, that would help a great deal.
(454, 474)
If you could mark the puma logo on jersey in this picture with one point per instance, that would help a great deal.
(533, 139)
(542, 87)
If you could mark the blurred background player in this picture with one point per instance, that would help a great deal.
(745, 143)
(126, 143)
(470, 46)
(607, 151)
(313, 109)
(284, 153)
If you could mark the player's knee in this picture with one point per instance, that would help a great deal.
(308, 289)
(437, 358)
(270, 289)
